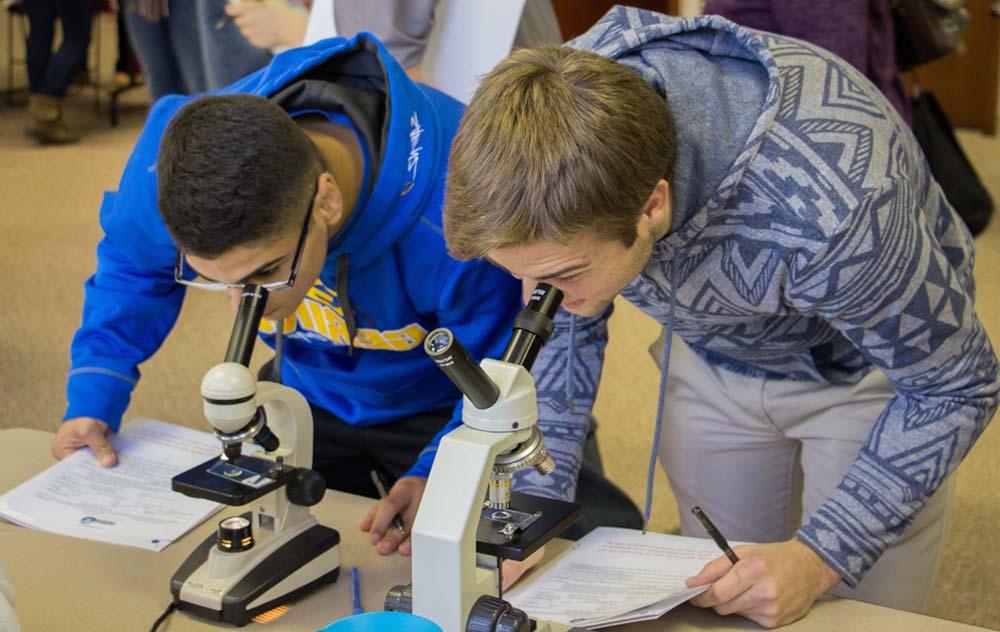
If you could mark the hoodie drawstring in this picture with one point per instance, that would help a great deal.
(345, 302)
(279, 347)
(665, 367)
(569, 362)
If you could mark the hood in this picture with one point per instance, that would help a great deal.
(359, 78)
(720, 83)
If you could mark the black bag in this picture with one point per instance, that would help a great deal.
(927, 29)
(949, 164)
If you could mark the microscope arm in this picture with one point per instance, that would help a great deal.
(447, 581)
(287, 405)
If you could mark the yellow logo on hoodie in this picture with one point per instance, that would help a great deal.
(317, 315)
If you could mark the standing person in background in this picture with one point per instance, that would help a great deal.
(858, 31)
(164, 35)
(127, 69)
(403, 26)
(227, 55)
(49, 74)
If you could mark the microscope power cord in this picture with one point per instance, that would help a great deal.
(163, 617)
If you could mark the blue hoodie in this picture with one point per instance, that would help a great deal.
(809, 242)
(354, 345)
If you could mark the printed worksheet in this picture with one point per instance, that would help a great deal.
(130, 504)
(615, 576)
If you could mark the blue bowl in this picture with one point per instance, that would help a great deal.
(382, 622)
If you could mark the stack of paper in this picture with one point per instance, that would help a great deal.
(616, 576)
(131, 503)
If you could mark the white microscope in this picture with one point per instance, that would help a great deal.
(469, 521)
(277, 550)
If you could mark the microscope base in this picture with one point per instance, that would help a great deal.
(308, 561)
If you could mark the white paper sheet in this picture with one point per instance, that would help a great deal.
(614, 576)
(130, 504)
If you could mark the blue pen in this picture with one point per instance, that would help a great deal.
(356, 590)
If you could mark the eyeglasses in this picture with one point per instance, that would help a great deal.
(180, 271)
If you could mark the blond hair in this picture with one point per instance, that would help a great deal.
(555, 141)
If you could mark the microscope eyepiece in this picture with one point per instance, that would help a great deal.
(533, 326)
(452, 358)
(438, 342)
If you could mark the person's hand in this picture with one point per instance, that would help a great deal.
(269, 23)
(772, 584)
(402, 500)
(512, 571)
(84, 432)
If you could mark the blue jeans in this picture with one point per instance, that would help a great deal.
(169, 49)
(48, 73)
(227, 55)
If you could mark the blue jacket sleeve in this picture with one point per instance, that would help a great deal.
(131, 302)
(566, 373)
(909, 309)
(478, 302)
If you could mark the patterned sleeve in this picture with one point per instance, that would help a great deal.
(887, 283)
(567, 372)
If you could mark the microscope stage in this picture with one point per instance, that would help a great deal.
(556, 516)
(231, 483)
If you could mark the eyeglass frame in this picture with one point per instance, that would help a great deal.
(274, 286)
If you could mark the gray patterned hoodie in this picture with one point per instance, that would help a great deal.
(809, 242)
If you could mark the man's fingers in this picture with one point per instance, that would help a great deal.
(103, 451)
(69, 438)
(402, 501)
(81, 432)
(391, 541)
(742, 603)
(711, 572)
(406, 547)
(387, 509)
(365, 524)
(726, 588)
(62, 447)
(408, 516)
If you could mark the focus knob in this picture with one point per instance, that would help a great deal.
(490, 614)
(399, 598)
(306, 487)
